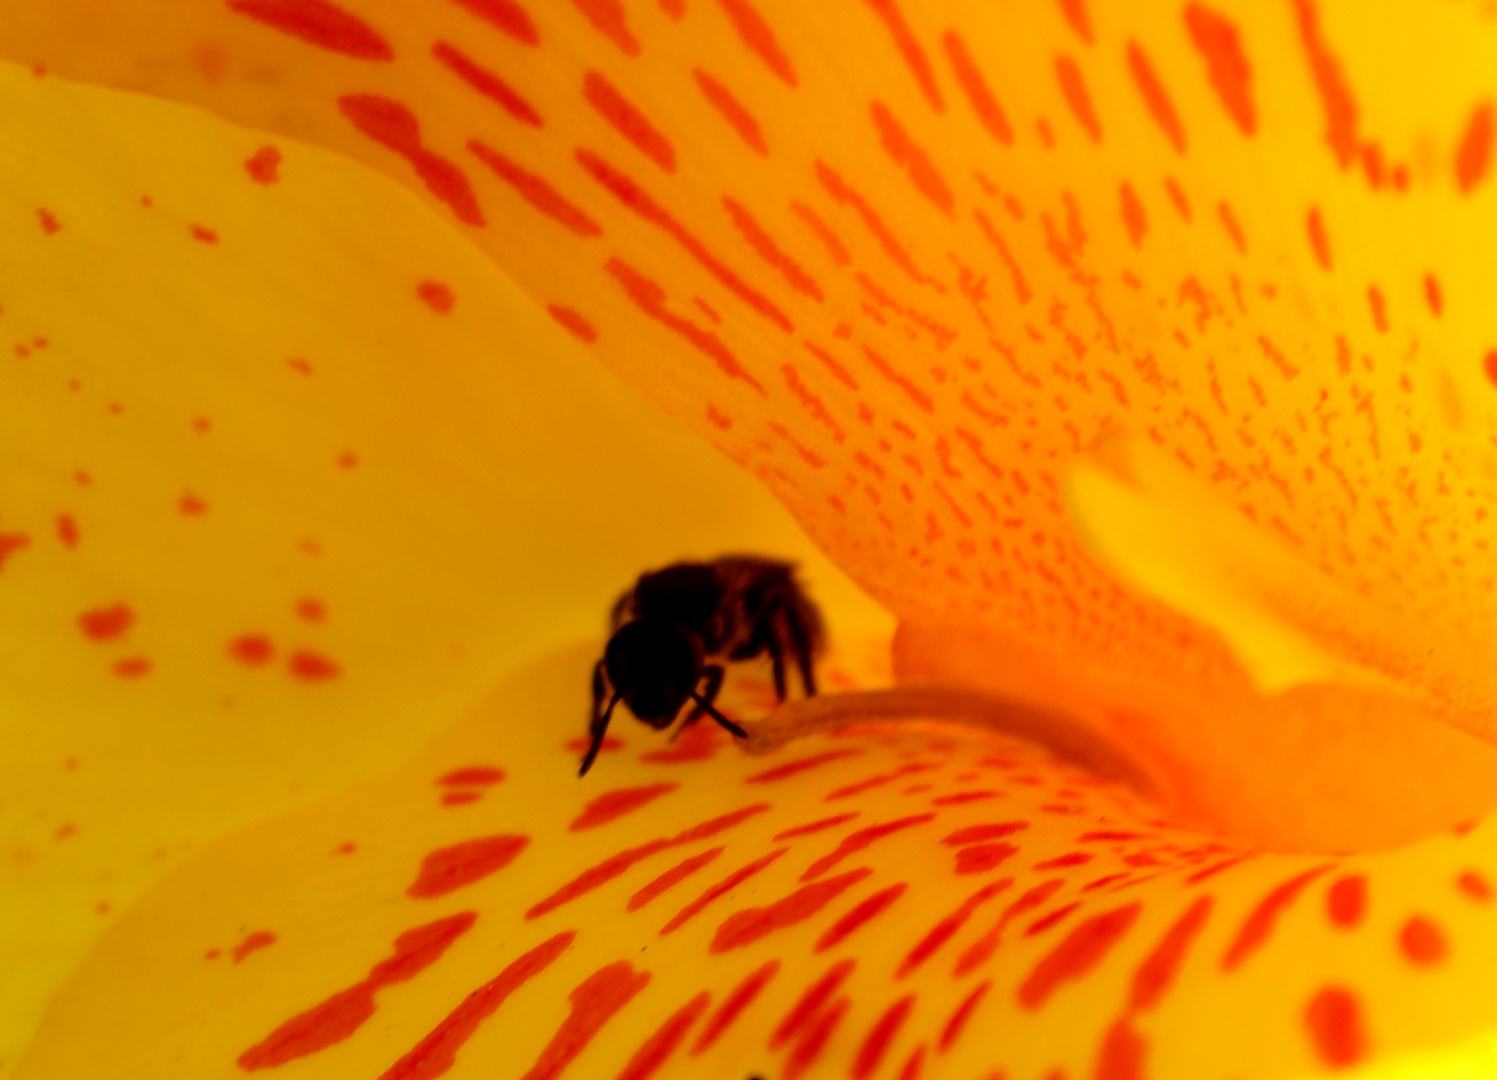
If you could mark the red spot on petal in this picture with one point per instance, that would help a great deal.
(476, 775)
(792, 768)
(435, 295)
(297, 364)
(451, 868)
(460, 798)
(1259, 924)
(67, 534)
(312, 667)
(1216, 39)
(864, 912)
(748, 926)
(1475, 151)
(672, 877)
(192, 505)
(1333, 1020)
(1134, 218)
(1124, 1054)
(536, 191)
(260, 939)
(909, 49)
(912, 158)
(1379, 308)
(486, 83)
(311, 610)
(262, 165)
(339, 1016)
(876, 1043)
(396, 127)
(506, 16)
(573, 322)
(732, 110)
(980, 858)
(1156, 974)
(1318, 240)
(615, 804)
(1474, 885)
(1083, 949)
(1346, 901)
(318, 23)
(741, 997)
(1422, 941)
(1078, 98)
(106, 624)
(626, 118)
(10, 543)
(607, 18)
(947, 928)
(721, 888)
(594, 1003)
(810, 1003)
(253, 649)
(658, 1048)
(48, 221)
(758, 38)
(859, 841)
(979, 96)
(204, 235)
(815, 826)
(953, 1029)
(436, 1053)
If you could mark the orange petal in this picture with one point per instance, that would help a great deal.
(867, 905)
(263, 469)
(908, 263)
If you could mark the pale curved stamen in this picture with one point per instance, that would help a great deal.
(1060, 734)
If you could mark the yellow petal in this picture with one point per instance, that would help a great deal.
(849, 907)
(273, 510)
(907, 263)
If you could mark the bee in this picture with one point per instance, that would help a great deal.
(670, 632)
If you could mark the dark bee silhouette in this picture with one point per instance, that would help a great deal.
(674, 621)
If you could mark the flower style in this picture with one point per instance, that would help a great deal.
(1131, 354)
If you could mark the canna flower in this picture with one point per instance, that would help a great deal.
(1133, 356)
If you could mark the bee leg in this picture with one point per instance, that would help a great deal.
(776, 649)
(599, 729)
(713, 674)
(802, 644)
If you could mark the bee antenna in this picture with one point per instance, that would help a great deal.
(598, 732)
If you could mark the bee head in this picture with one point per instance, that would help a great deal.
(654, 665)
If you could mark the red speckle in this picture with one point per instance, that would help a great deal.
(792, 768)
(981, 858)
(212, 954)
(451, 868)
(1334, 1022)
(573, 322)
(1346, 901)
(486, 83)
(672, 877)
(607, 17)
(861, 914)
(192, 505)
(262, 165)
(536, 191)
(342, 1014)
(395, 127)
(803, 1055)
(658, 1048)
(953, 1029)
(1472, 156)
(82, 478)
(911, 157)
(299, 365)
(1124, 1054)
(909, 49)
(10, 543)
(312, 667)
(1156, 99)
(844, 194)
(436, 1053)
(65, 831)
(810, 1003)
(944, 930)
(252, 649)
(698, 743)
(721, 888)
(1474, 885)
(260, 939)
(876, 1044)
(615, 804)
(625, 118)
(1217, 41)
(815, 826)
(1489, 365)
(732, 110)
(311, 610)
(1046, 921)
(1432, 295)
(758, 38)
(1075, 858)
(436, 295)
(106, 624)
(649, 297)
(612, 867)
(348, 460)
(1335, 95)
(460, 798)
(1133, 215)
(201, 424)
(475, 775)
(1318, 241)
(1157, 972)
(1084, 948)
(48, 220)
(988, 111)
(1379, 309)
(766, 248)
(593, 1004)
(1229, 222)
(1422, 941)
(318, 23)
(734, 1004)
(859, 841)
(1259, 924)
(748, 926)
(207, 236)
(506, 16)
(974, 834)
(1073, 88)
(348, 847)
